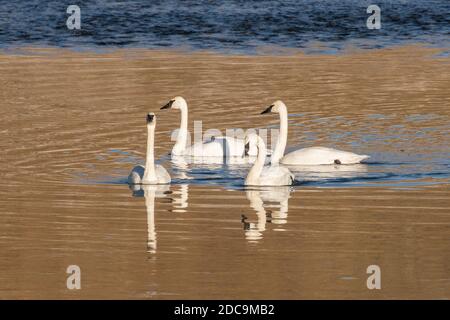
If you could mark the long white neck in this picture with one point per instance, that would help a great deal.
(255, 171)
(180, 144)
(278, 153)
(149, 173)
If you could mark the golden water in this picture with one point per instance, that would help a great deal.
(73, 125)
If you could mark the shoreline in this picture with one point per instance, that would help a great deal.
(267, 51)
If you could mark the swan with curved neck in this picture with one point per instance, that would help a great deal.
(151, 173)
(179, 103)
(220, 146)
(305, 156)
(273, 175)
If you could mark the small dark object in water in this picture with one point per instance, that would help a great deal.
(337, 161)
(269, 216)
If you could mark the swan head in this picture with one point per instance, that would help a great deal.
(175, 103)
(251, 143)
(275, 107)
(151, 119)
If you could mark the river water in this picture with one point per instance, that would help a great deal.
(226, 26)
(73, 125)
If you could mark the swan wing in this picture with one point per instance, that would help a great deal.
(321, 155)
(276, 176)
(206, 149)
(235, 147)
(232, 147)
(162, 175)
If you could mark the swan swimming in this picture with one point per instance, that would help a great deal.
(306, 156)
(151, 173)
(216, 147)
(273, 175)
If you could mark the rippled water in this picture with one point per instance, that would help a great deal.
(237, 26)
(74, 125)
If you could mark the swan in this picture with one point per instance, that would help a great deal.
(306, 156)
(151, 173)
(273, 175)
(216, 147)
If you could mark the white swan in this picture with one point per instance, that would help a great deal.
(151, 173)
(306, 156)
(216, 147)
(273, 175)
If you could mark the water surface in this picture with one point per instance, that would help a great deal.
(226, 26)
(74, 125)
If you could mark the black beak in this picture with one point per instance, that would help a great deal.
(247, 148)
(150, 118)
(168, 105)
(268, 110)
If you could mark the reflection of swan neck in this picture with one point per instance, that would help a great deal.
(280, 146)
(150, 173)
(180, 144)
(254, 231)
(182, 202)
(255, 171)
(255, 201)
(150, 206)
(284, 207)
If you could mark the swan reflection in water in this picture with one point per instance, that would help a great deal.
(179, 199)
(271, 206)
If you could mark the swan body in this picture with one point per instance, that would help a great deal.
(273, 175)
(306, 156)
(218, 146)
(276, 175)
(321, 155)
(151, 173)
(221, 146)
(137, 176)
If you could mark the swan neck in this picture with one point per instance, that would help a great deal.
(180, 144)
(255, 171)
(282, 137)
(149, 173)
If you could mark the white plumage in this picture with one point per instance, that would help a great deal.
(151, 173)
(306, 156)
(219, 146)
(273, 175)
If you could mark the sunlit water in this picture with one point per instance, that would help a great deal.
(73, 125)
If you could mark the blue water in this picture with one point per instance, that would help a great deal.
(410, 170)
(227, 26)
